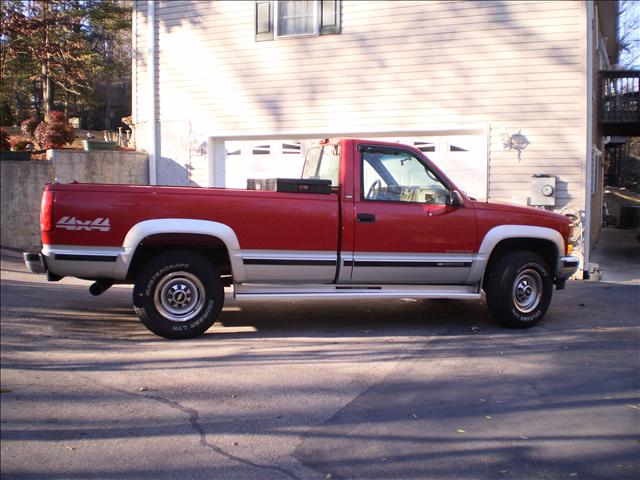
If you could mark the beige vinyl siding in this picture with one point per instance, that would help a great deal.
(396, 65)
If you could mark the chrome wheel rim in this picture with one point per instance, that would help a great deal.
(527, 291)
(179, 296)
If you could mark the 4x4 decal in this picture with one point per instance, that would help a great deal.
(71, 223)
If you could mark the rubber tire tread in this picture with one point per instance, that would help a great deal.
(499, 288)
(177, 260)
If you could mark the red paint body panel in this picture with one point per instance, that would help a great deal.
(491, 215)
(261, 220)
(293, 221)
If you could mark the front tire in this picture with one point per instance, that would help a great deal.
(178, 295)
(519, 289)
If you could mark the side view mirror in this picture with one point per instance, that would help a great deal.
(456, 199)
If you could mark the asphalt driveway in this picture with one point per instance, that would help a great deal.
(365, 389)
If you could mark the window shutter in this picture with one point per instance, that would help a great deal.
(264, 20)
(330, 16)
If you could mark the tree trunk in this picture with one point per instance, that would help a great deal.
(47, 84)
(47, 91)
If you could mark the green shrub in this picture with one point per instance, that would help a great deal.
(18, 145)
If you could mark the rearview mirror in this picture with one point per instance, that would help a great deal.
(456, 199)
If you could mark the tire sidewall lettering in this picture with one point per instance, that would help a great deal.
(160, 273)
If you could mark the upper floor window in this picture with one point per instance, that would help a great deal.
(296, 18)
(292, 18)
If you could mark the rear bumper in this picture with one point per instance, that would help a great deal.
(34, 262)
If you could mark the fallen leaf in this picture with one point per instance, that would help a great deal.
(633, 406)
(488, 417)
(142, 389)
(461, 431)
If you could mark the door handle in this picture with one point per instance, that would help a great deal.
(366, 218)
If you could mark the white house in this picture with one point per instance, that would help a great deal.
(494, 91)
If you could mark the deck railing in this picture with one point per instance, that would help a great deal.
(619, 96)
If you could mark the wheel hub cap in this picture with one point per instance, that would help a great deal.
(179, 297)
(527, 291)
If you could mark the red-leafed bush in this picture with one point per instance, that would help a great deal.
(54, 132)
(29, 126)
(4, 140)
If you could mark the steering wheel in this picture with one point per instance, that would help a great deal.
(375, 186)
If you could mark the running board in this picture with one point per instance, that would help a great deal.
(333, 292)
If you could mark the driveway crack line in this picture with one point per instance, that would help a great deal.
(194, 416)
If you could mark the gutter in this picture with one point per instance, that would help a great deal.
(151, 56)
(588, 141)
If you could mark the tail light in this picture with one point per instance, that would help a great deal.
(46, 211)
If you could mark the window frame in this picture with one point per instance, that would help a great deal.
(327, 19)
(316, 21)
(365, 148)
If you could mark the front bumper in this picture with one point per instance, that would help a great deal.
(568, 266)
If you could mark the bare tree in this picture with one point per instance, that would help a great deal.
(629, 34)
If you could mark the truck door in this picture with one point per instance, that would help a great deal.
(406, 231)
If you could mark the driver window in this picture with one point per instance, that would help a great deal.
(400, 177)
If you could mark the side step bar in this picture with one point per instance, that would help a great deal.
(335, 292)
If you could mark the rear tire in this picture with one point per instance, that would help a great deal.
(178, 295)
(519, 288)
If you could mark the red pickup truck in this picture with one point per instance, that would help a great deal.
(366, 219)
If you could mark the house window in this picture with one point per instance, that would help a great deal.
(292, 18)
(298, 17)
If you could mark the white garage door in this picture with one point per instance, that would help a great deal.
(462, 157)
(263, 159)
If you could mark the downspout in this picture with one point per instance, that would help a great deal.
(588, 144)
(151, 56)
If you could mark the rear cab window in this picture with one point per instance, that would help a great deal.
(323, 163)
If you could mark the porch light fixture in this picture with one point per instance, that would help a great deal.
(517, 141)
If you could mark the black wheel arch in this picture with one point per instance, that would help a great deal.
(540, 246)
(209, 246)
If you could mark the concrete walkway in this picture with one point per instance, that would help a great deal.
(618, 256)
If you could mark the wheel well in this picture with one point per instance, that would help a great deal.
(545, 248)
(208, 246)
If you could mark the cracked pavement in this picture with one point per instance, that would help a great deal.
(307, 390)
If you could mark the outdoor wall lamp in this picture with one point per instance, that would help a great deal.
(517, 141)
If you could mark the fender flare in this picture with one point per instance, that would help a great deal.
(146, 228)
(506, 232)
